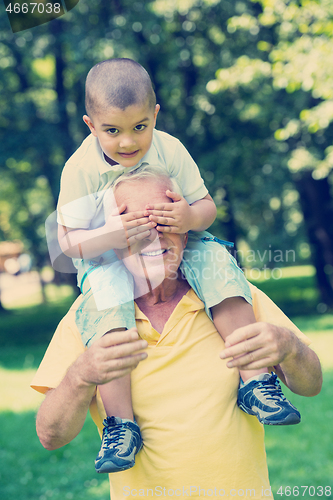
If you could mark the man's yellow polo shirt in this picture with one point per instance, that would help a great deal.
(197, 442)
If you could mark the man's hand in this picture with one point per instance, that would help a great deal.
(125, 229)
(261, 345)
(114, 355)
(258, 345)
(174, 217)
(63, 411)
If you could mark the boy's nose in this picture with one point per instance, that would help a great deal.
(126, 141)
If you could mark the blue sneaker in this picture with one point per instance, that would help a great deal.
(264, 398)
(121, 441)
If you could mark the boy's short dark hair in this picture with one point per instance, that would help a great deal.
(118, 83)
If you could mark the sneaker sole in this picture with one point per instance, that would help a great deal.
(291, 419)
(109, 467)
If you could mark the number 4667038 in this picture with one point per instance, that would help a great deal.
(312, 491)
(30, 8)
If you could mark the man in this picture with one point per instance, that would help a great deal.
(196, 440)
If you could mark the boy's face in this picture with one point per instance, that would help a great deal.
(125, 136)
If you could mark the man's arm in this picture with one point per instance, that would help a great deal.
(63, 412)
(262, 344)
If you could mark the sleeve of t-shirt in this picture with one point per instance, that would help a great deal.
(65, 347)
(187, 174)
(265, 310)
(77, 200)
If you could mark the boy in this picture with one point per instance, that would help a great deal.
(121, 115)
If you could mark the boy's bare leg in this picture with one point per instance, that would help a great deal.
(271, 407)
(122, 438)
(230, 314)
(116, 395)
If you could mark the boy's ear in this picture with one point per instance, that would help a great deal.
(90, 124)
(157, 108)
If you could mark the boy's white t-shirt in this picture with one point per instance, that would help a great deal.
(87, 175)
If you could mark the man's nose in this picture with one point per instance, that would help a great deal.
(153, 234)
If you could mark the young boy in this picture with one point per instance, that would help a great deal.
(121, 115)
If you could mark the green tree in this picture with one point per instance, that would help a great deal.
(235, 86)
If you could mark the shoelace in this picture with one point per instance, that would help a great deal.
(115, 437)
(272, 389)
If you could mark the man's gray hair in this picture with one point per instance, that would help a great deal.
(146, 171)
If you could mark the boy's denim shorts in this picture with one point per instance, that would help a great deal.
(108, 300)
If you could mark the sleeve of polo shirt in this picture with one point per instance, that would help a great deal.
(265, 310)
(65, 347)
(187, 173)
(77, 204)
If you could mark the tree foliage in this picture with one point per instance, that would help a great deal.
(246, 86)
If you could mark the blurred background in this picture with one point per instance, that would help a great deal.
(247, 86)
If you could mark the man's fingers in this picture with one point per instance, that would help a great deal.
(127, 340)
(243, 333)
(248, 362)
(120, 367)
(242, 347)
(125, 363)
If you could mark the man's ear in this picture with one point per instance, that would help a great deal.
(185, 239)
(90, 124)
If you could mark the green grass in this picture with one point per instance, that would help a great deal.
(295, 292)
(302, 455)
(33, 325)
(29, 472)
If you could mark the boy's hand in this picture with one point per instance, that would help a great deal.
(126, 229)
(174, 217)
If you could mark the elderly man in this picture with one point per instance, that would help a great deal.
(196, 440)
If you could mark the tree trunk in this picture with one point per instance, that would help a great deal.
(317, 205)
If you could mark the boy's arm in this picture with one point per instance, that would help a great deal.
(180, 217)
(119, 231)
(203, 213)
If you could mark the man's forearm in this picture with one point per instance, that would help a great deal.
(63, 412)
(301, 370)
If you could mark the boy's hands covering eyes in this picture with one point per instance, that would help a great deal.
(126, 229)
(173, 217)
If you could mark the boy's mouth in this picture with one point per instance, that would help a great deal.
(129, 155)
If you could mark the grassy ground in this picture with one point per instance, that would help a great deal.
(297, 456)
